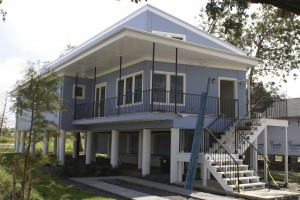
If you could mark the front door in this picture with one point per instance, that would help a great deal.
(227, 96)
(100, 100)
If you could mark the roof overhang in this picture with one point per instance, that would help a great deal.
(135, 46)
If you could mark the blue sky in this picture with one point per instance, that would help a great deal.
(37, 29)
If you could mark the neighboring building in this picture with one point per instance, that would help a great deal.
(138, 86)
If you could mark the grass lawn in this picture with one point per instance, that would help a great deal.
(45, 185)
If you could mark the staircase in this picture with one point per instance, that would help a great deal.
(226, 153)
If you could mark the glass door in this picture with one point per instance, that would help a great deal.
(100, 95)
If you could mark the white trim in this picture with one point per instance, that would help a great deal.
(83, 91)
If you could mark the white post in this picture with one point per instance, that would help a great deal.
(204, 172)
(32, 144)
(181, 171)
(61, 157)
(286, 164)
(140, 150)
(88, 147)
(114, 148)
(266, 153)
(22, 143)
(174, 168)
(45, 144)
(17, 141)
(254, 156)
(146, 152)
(55, 145)
(74, 152)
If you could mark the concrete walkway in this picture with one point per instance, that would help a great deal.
(131, 194)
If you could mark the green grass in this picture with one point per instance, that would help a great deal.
(45, 186)
(7, 139)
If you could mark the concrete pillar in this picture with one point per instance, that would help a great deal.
(114, 148)
(286, 163)
(55, 145)
(17, 141)
(181, 171)
(146, 152)
(62, 140)
(266, 153)
(32, 144)
(204, 172)
(254, 156)
(74, 150)
(140, 150)
(88, 147)
(22, 143)
(174, 167)
(46, 144)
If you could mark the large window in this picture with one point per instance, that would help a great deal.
(164, 88)
(130, 89)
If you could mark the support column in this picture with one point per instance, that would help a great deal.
(286, 164)
(174, 168)
(204, 172)
(55, 145)
(88, 148)
(181, 171)
(22, 143)
(146, 152)
(114, 148)
(45, 144)
(61, 157)
(32, 144)
(17, 141)
(265, 153)
(254, 156)
(140, 150)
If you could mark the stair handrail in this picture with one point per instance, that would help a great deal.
(237, 185)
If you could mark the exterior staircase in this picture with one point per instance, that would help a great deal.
(225, 156)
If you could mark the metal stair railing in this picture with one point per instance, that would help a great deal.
(221, 156)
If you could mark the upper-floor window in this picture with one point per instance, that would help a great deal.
(164, 88)
(170, 35)
(130, 89)
(78, 91)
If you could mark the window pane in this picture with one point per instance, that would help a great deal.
(128, 99)
(79, 92)
(138, 88)
(179, 89)
(120, 92)
(159, 87)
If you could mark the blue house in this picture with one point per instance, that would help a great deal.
(134, 91)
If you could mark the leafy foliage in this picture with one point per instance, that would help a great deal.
(2, 12)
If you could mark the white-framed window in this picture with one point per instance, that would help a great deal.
(79, 91)
(164, 87)
(170, 35)
(129, 89)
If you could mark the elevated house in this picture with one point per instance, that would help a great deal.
(135, 90)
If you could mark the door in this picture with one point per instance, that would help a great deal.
(227, 96)
(100, 100)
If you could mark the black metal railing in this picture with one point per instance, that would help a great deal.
(163, 102)
(223, 160)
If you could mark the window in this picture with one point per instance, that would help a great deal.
(78, 91)
(278, 158)
(130, 89)
(164, 88)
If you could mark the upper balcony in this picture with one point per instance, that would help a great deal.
(162, 102)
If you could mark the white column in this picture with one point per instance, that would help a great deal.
(45, 144)
(74, 152)
(174, 168)
(286, 164)
(17, 141)
(181, 171)
(61, 157)
(88, 147)
(266, 152)
(22, 143)
(140, 150)
(146, 152)
(203, 172)
(114, 148)
(55, 145)
(254, 156)
(32, 144)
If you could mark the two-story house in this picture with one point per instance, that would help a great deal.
(135, 89)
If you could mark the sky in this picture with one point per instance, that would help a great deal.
(40, 30)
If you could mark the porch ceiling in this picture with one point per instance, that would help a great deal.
(135, 46)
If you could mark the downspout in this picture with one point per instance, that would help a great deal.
(120, 76)
(94, 100)
(75, 106)
(176, 63)
(153, 59)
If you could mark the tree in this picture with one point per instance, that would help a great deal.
(3, 114)
(2, 12)
(38, 95)
(268, 33)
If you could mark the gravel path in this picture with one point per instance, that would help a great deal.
(145, 189)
